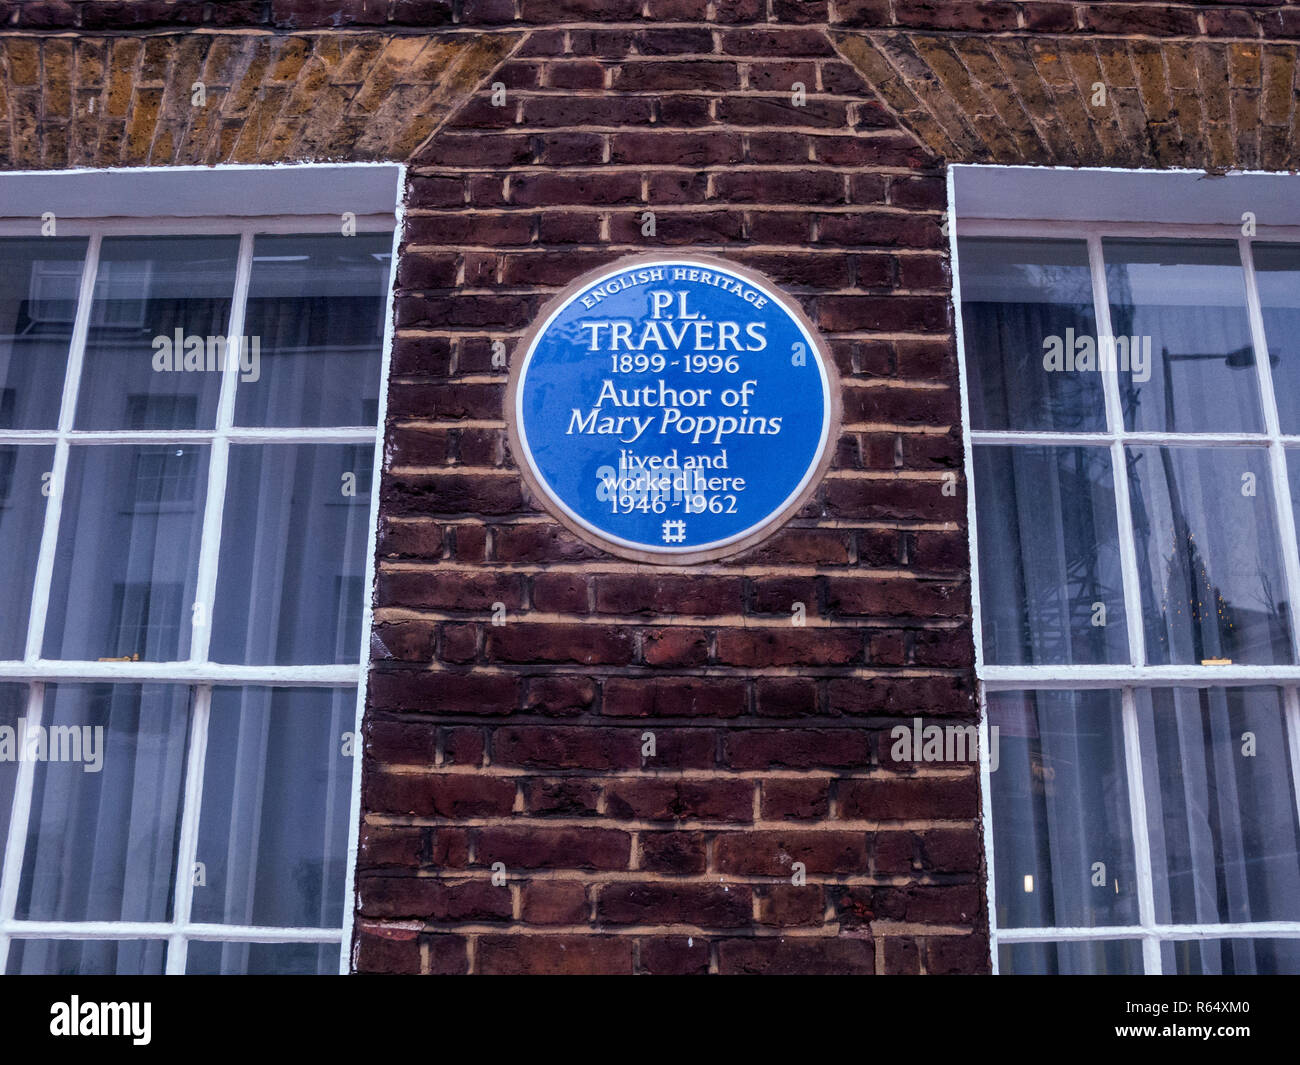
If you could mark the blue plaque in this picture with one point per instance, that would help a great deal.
(672, 409)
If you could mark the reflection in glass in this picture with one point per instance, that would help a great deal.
(153, 294)
(1225, 841)
(1106, 957)
(1016, 295)
(291, 580)
(1231, 957)
(39, 283)
(276, 797)
(86, 957)
(205, 958)
(23, 487)
(1212, 584)
(13, 707)
(1277, 274)
(128, 554)
(1186, 299)
(317, 305)
(101, 842)
(1060, 807)
(1051, 589)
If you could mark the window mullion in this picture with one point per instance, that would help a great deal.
(1119, 463)
(67, 414)
(986, 810)
(20, 814)
(210, 546)
(188, 845)
(1276, 450)
(1137, 804)
(1291, 709)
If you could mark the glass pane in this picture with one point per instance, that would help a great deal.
(1021, 300)
(1062, 837)
(1213, 590)
(157, 333)
(1097, 958)
(87, 957)
(316, 309)
(39, 284)
(1051, 588)
(1225, 840)
(1231, 957)
(106, 804)
(1182, 304)
(262, 959)
(291, 582)
(22, 517)
(276, 801)
(128, 554)
(1277, 272)
(13, 707)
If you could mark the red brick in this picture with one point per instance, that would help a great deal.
(674, 955)
(773, 852)
(439, 794)
(386, 950)
(673, 852)
(701, 905)
(795, 800)
(659, 799)
(674, 697)
(536, 847)
(517, 955)
(782, 955)
(432, 899)
(547, 902)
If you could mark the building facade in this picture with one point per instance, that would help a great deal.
(555, 758)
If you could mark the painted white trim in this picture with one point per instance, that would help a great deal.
(367, 611)
(1126, 678)
(197, 671)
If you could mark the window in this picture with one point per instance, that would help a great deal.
(1130, 385)
(188, 438)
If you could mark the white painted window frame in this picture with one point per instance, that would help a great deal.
(197, 672)
(1126, 679)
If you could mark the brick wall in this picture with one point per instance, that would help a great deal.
(522, 743)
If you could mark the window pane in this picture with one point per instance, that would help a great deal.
(262, 959)
(290, 585)
(1051, 588)
(1277, 272)
(101, 843)
(1225, 842)
(39, 284)
(1062, 838)
(1208, 559)
(1231, 957)
(22, 517)
(316, 309)
(1098, 958)
(87, 957)
(1183, 304)
(1017, 298)
(128, 554)
(151, 295)
(276, 801)
(13, 708)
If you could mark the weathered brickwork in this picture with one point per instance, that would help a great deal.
(519, 673)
